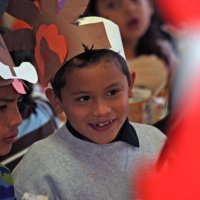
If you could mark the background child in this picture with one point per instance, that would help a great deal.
(11, 90)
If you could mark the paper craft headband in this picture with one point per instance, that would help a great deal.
(13, 75)
(60, 36)
(25, 10)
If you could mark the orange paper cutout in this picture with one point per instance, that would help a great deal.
(19, 24)
(56, 43)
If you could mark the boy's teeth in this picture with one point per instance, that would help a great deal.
(102, 124)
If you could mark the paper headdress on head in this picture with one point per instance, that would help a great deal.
(60, 37)
(12, 75)
(151, 73)
(111, 30)
(24, 10)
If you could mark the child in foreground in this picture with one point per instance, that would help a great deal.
(97, 152)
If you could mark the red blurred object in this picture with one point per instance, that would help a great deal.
(180, 12)
(177, 175)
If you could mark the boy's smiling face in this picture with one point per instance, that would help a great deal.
(10, 117)
(95, 100)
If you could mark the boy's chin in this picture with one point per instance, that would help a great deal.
(5, 150)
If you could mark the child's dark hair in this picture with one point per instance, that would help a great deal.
(89, 57)
(148, 43)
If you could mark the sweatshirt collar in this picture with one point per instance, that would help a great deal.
(126, 134)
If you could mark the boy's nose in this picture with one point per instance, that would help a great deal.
(15, 118)
(101, 109)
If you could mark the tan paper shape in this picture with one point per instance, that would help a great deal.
(4, 54)
(140, 94)
(151, 72)
(22, 39)
(91, 35)
(23, 9)
(11, 74)
(112, 32)
(64, 23)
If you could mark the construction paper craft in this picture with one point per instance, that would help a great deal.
(151, 73)
(49, 41)
(110, 28)
(10, 74)
(25, 71)
(141, 95)
(18, 86)
(59, 36)
(25, 10)
(21, 39)
(61, 25)
(60, 4)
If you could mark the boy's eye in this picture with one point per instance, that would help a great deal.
(3, 107)
(83, 98)
(113, 92)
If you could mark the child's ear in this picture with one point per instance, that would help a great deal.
(131, 83)
(54, 100)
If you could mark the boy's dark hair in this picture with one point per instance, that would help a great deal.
(89, 57)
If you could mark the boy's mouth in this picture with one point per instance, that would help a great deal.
(102, 126)
(10, 139)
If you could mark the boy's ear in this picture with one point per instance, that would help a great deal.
(54, 100)
(131, 83)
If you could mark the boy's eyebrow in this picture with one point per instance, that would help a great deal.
(87, 92)
(80, 92)
(112, 85)
(10, 98)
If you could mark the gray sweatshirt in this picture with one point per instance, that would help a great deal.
(67, 168)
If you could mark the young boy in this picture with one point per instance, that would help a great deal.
(10, 119)
(94, 155)
(11, 90)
